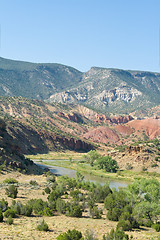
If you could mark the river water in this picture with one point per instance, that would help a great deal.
(60, 171)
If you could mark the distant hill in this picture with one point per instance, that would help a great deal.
(38, 81)
(110, 90)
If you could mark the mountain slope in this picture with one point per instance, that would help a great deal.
(38, 127)
(114, 90)
(33, 80)
(110, 90)
(11, 155)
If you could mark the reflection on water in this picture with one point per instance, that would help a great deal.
(60, 171)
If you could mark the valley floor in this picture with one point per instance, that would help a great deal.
(74, 162)
(25, 227)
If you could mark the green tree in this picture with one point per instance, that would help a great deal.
(91, 156)
(115, 203)
(147, 210)
(107, 163)
(144, 190)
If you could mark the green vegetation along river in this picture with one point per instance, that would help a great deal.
(59, 171)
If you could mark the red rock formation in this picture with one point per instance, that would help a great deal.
(71, 116)
(121, 119)
(115, 120)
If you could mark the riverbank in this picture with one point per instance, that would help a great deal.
(73, 160)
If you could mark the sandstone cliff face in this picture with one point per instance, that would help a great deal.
(118, 94)
(106, 97)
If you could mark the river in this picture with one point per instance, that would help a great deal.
(60, 171)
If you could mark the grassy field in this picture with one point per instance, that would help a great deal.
(58, 155)
(24, 228)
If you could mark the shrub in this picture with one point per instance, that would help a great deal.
(1, 216)
(126, 221)
(10, 181)
(154, 165)
(90, 235)
(10, 213)
(99, 193)
(128, 166)
(26, 210)
(46, 212)
(73, 210)
(124, 225)
(33, 182)
(115, 203)
(16, 206)
(9, 221)
(51, 178)
(114, 214)
(60, 205)
(70, 235)
(12, 191)
(38, 205)
(53, 196)
(116, 235)
(47, 190)
(156, 158)
(43, 226)
(156, 226)
(147, 223)
(3, 205)
(75, 194)
(95, 212)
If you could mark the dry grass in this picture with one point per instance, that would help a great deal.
(25, 227)
(58, 155)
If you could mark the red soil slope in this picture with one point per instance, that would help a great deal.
(151, 126)
(102, 135)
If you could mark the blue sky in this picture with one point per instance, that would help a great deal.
(82, 33)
